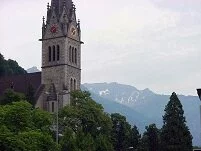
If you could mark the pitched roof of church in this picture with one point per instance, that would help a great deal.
(20, 83)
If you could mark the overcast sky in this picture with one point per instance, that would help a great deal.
(152, 44)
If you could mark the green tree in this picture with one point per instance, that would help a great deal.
(24, 128)
(30, 95)
(37, 140)
(86, 119)
(135, 137)
(68, 141)
(10, 67)
(10, 96)
(175, 135)
(2, 65)
(103, 143)
(85, 141)
(120, 132)
(150, 139)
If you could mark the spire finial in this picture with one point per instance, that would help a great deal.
(48, 6)
(53, 5)
(43, 21)
(64, 3)
(72, 4)
(73, 7)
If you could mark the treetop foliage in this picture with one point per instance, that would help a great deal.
(10, 67)
(10, 96)
(84, 126)
(24, 128)
(175, 134)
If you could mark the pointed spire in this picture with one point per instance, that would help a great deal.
(59, 6)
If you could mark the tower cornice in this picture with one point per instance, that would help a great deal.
(61, 37)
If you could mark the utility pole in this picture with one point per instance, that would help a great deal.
(57, 120)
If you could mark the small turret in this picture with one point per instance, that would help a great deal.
(43, 27)
(43, 21)
(79, 28)
(73, 13)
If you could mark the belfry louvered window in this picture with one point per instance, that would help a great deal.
(52, 106)
(70, 53)
(75, 85)
(58, 52)
(50, 54)
(75, 56)
(54, 53)
(71, 85)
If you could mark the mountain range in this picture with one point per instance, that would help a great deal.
(143, 107)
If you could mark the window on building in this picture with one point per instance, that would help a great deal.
(50, 54)
(71, 85)
(52, 106)
(75, 56)
(58, 52)
(54, 53)
(74, 85)
(70, 53)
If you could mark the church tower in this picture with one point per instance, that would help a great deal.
(61, 55)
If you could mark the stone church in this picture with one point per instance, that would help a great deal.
(61, 59)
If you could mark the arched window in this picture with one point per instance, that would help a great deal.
(75, 56)
(52, 106)
(75, 84)
(70, 53)
(58, 52)
(71, 84)
(50, 54)
(54, 53)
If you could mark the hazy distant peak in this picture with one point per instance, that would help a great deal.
(147, 90)
(33, 70)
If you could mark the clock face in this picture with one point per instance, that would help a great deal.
(53, 29)
(73, 31)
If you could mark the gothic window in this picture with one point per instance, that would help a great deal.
(70, 53)
(75, 84)
(75, 56)
(50, 55)
(71, 84)
(54, 53)
(52, 106)
(58, 52)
